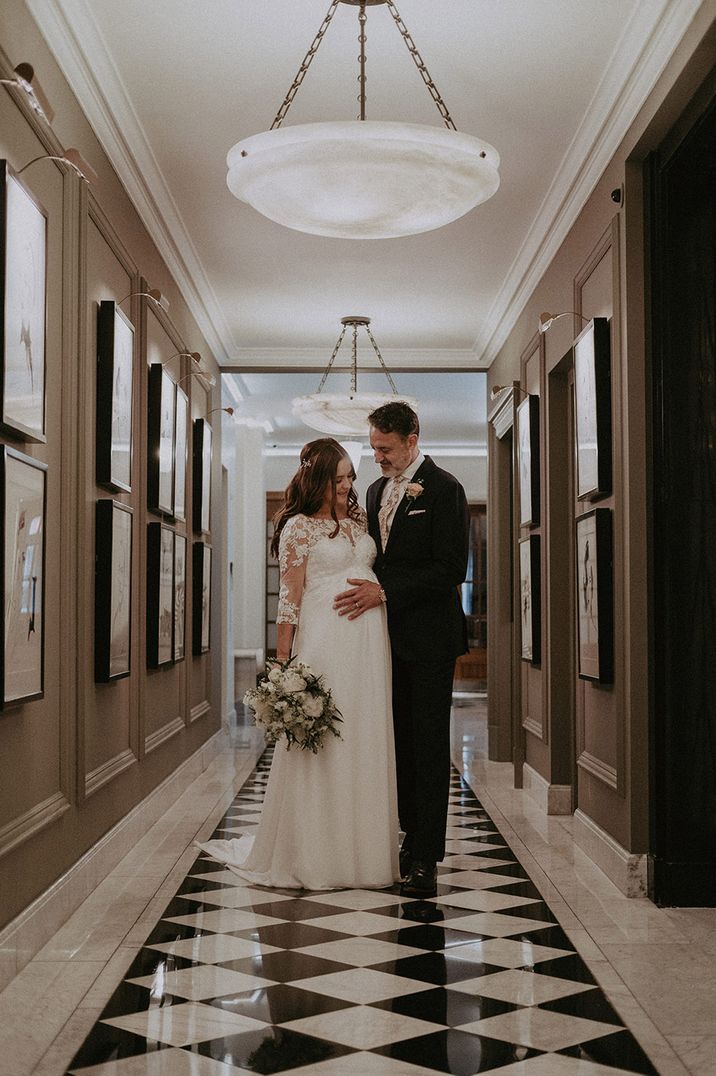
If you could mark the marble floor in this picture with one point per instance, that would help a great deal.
(528, 960)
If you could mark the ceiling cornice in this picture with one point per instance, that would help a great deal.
(74, 38)
(300, 358)
(642, 53)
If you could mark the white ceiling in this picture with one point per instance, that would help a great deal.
(170, 85)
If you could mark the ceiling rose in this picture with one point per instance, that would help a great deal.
(361, 179)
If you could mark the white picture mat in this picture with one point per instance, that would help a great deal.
(524, 456)
(24, 582)
(122, 401)
(24, 320)
(180, 459)
(166, 443)
(206, 479)
(179, 596)
(587, 591)
(526, 599)
(585, 405)
(206, 599)
(166, 596)
(119, 634)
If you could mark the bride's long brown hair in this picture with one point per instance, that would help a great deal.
(306, 490)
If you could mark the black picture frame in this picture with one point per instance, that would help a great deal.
(160, 436)
(113, 590)
(201, 598)
(181, 440)
(160, 595)
(593, 410)
(530, 569)
(595, 597)
(115, 390)
(201, 477)
(179, 636)
(23, 317)
(23, 498)
(528, 461)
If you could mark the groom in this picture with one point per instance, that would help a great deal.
(419, 519)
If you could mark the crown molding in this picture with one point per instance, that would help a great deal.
(73, 37)
(314, 358)
(643, 51)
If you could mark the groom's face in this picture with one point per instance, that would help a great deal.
(392, 452)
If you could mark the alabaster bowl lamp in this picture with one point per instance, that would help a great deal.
(363, 179)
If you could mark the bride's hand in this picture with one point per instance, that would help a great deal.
(364, 595)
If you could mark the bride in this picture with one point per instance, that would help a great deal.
(329, 821)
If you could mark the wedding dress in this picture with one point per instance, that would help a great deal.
(329, 820)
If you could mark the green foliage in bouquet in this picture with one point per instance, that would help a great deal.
(293, 701)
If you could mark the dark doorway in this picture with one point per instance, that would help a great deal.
(682, 183)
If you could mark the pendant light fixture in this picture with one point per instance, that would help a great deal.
(346, 413)
(363, 179)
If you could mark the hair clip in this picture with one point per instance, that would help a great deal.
(306, 463)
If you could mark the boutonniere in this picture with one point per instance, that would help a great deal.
(414, 489)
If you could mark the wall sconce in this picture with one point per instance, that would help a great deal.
(73, 158)
(546, 319)
(27, 81)
(193, 355)
(228, 410)
(154, 294)
(496, 390)
(204, 375)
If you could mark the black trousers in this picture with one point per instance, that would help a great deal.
(422, 697)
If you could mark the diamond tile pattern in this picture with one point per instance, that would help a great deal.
(235, 978)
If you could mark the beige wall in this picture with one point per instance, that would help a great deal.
(77, 760)
(576, 732)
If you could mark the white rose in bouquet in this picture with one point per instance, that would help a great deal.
(292, 682)
(312, 706)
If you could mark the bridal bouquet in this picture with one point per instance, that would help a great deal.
(293, 701)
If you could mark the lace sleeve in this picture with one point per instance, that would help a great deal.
(292, 555)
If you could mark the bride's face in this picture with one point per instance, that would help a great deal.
(344, 484)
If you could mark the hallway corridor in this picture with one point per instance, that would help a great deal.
(212, 976)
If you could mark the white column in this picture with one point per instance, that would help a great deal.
(249, 524)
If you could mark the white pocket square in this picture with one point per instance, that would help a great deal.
(418, 512)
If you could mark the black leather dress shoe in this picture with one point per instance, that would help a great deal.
(406, 862)
(421, 881)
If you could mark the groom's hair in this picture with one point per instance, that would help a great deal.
(397, 417)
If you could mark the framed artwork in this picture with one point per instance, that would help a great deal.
(179, 645)
(160, 595)
(180, 453)
(530, 602)
(161, 427)
(201, 598)
(113, 591)
(23, 491)
(115, 365)
(593, 410)
(595, 619)
(23, 289)
(201, 507)
(528, 460)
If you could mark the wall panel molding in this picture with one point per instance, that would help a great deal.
(31, 822)
(160, 736)
(199, 710)
(601, 770)
(107, 771)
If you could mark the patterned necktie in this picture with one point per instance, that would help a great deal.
(388, 507)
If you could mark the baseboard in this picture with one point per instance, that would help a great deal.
(628, 870)
(25, 935)
(553, 799)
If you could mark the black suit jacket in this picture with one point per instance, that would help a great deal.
(423, 565)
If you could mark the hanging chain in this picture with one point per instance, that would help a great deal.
(362, 38)
(412, 49)
(420, 64)
(333, 358)
(307, 60)
(354, 362)
(380, 360)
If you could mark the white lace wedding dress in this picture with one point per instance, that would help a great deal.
(329, 820)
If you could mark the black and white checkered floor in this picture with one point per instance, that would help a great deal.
(236, 978)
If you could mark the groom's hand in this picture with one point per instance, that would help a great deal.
(353, 603)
